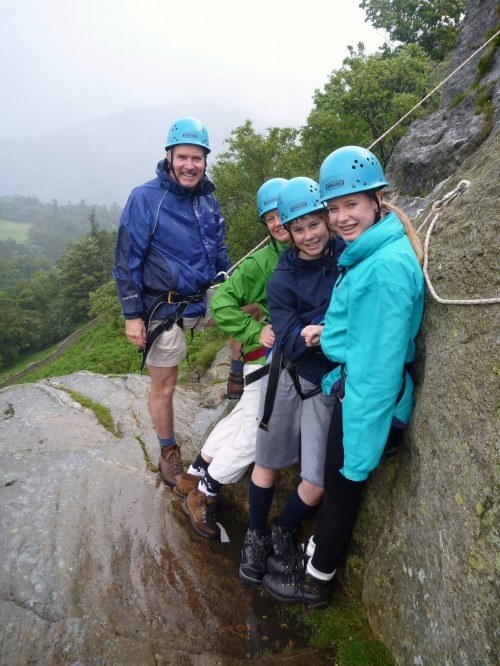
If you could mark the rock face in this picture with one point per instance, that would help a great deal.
(427, 539)
(97, 563)
(436, 146)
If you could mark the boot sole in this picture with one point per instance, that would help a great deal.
(198, 531)
(253, 582)
(286, 600)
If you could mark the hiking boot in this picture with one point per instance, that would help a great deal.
(235, 385)
(277, 564)
(283, 546)
(256, 549)
(186, 483)
(298, 587)
(201, 511)
(170, 465)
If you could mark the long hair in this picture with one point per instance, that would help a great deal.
(415, 241)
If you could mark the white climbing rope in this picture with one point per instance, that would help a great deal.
(480, 48)
(437, 209)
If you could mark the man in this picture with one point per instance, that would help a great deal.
(169, 249)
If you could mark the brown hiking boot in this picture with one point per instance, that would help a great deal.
(186, 484)
(170, 465)
(201, 512)
(235, 385)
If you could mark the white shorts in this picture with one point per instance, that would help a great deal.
(231, 443)
(170, 348)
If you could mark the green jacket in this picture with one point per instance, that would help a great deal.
(246, 285)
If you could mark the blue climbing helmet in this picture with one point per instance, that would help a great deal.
(267, 196)
(349, 170)
(188, 130)
(300, 196)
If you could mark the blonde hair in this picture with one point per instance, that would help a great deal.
(415, 241)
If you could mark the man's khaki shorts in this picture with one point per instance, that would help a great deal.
(170, 348)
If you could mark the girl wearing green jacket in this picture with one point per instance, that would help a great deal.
(369, 332)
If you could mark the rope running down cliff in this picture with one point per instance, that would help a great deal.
(437, 206)
(480, 48)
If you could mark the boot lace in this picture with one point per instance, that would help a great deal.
(173, 459)
(258, 550)
(283, 544)
(209, 514)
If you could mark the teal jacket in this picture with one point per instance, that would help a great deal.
(370, 327)
(246, 285)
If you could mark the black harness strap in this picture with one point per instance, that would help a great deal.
(174, 318)
(274, 375)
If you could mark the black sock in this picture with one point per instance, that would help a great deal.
(213, 487)
(260, 500)
(200, 464)
(295, 511)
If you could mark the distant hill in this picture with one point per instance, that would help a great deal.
(100, 160)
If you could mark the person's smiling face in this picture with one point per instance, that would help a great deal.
(310, 234)
(352, 214)
(189, 163)
(274, 226)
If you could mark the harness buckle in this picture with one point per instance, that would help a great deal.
(172, 294)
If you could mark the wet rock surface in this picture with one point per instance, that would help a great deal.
(427, 538)
(99, 565)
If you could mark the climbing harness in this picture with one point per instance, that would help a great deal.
(273, 369)
(437, 210)
(171, 298)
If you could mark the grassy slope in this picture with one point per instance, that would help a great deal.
(105, 351)
(15, 230)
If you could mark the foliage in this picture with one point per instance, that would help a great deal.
(343, 626)
(105, 350)
(102, 350)
(250, 160)
(52, 226)
(104, 303)
(84, 267)
(202, 349)
(17, 231)
(432, 24)
(38, 306)
(365, 97)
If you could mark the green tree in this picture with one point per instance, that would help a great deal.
(364, 98)
(82, 269)
(432, 24)
(250, 160)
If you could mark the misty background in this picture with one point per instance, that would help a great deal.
(90, 88)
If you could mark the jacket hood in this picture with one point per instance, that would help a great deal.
(204, 187)
(388, 230)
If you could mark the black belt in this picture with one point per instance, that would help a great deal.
(173, 318)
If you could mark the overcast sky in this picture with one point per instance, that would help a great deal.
(66, 61)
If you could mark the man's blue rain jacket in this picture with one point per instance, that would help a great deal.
(169, 239)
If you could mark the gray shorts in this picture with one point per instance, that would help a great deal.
(170, 348)
(298, 430)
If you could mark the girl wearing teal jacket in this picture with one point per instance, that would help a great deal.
(369, 331)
